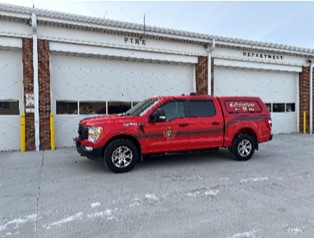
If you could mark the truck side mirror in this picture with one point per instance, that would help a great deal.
(158, 116)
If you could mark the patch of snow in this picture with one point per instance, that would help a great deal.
(19, 221)
(224, 179)
(212, 193)
(12, 234)
(95, 204)
(194, 194)
(294, 230)
(257, 179)
(246, 234)
(104, 214)
(66, 220)
(151, 197)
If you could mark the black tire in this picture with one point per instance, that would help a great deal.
(243, 147)
(121, 156)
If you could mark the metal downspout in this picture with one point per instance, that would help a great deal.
(36, 84)
(311, 98)
(209, 73)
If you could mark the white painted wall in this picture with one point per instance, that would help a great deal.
(238, 56)
(65, 35)
(114, 53)
(257, 65)
(15, 29)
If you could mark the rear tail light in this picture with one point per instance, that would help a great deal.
(269, 123)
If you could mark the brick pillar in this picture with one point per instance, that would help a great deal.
(201, 75)
(28, 75)
(304, 84)
(44, 94)
(212, 77)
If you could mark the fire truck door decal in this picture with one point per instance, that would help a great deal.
(169, 134)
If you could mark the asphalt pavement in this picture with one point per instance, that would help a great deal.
(205, 194)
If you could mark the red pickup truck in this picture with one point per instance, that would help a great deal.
(175, 123)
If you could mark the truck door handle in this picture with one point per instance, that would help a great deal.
(183, 125)
(215, 123)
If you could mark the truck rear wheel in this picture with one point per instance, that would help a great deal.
(121, 156)
(243, 147)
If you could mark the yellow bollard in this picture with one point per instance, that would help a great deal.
(52, 132)
(304, 122)
(22, 134)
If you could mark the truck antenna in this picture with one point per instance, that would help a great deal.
(144, 23)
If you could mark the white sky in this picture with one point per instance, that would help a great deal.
(282, 22)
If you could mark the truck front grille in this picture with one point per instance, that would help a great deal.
(83, 132)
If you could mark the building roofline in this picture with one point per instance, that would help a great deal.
(125, 26)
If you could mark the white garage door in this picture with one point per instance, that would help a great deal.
(11, 99)
(82, 86)
(279, 90)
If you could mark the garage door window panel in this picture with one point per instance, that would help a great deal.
(67, 107)
(290, 107)
(278, 107)
(92, 108)
(9, 108)
(115, 107)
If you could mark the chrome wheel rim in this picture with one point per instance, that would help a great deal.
(244, 148)
(122, 157)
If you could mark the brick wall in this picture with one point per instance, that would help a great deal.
(212, 76)
(201, 76)
(304, 83)
(28, 75)
(44, 94)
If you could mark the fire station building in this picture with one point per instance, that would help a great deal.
(72, 67)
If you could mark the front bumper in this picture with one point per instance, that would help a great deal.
(93, 153)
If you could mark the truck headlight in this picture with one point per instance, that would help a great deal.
(94, 133)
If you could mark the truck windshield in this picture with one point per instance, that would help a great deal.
(141, 108)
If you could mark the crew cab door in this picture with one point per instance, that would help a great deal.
(206, 123)
(166, 133)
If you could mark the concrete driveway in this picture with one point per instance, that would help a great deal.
(60, 194)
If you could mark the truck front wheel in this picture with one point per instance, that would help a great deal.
(243, 147)
(121, 156)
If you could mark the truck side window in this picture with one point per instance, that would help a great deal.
(202, 108)
(173, 109)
